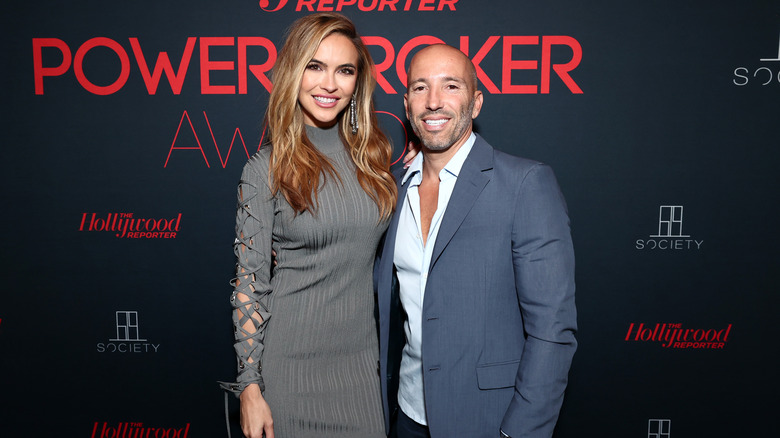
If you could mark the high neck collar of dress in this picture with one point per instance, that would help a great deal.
(327, 140)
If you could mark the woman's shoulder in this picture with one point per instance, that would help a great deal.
(260, 160)
(257, 167)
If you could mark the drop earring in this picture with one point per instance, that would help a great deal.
(353, 118)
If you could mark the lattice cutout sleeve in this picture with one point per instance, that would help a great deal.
(251, 286)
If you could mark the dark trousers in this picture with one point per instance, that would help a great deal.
(405, 427)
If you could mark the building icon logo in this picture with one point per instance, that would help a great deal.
(128, 336)
(670, 234)
(659, 428)
(670, 221)
(127, 326)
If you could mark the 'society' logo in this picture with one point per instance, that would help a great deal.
(765, 73)
(670, 233)
(657, 428)
(128, 336)
(360, 5)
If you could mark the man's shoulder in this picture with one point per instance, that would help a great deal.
(508, 162)
(514, 161)
(398, 172)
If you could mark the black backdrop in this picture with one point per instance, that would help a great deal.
(659, 118)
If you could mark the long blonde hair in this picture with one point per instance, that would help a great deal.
(296, 164)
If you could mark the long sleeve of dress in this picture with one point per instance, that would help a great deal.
(251, 285)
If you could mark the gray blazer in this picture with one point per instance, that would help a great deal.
(498, 316)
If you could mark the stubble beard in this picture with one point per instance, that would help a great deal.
(434, 142)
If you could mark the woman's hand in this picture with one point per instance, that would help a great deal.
(255, 414)
(414, 149)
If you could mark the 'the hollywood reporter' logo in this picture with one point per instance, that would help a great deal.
(125, 225)
(677, 336)
(266, 5)
(670, 232)
(768, 72)
(128, 337)
(139, 430)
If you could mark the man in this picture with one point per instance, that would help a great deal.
(478, 266)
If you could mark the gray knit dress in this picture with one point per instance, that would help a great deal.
(315, 352)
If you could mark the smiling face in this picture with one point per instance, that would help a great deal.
(441, 99)
(328, 81)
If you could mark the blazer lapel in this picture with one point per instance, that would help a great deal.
(388, 250)
(473, 177)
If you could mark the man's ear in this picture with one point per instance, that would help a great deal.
(477, 104)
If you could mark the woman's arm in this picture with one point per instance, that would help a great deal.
(251, 289)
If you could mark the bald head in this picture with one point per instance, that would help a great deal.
(441, 98)
(446, 56)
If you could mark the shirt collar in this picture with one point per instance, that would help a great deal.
(453, 166)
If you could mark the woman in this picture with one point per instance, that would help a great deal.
(320, 197)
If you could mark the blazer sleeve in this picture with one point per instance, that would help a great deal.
(543, 261)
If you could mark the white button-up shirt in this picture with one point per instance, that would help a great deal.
(412, 261)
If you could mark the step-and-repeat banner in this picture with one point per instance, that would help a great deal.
(126, 124)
